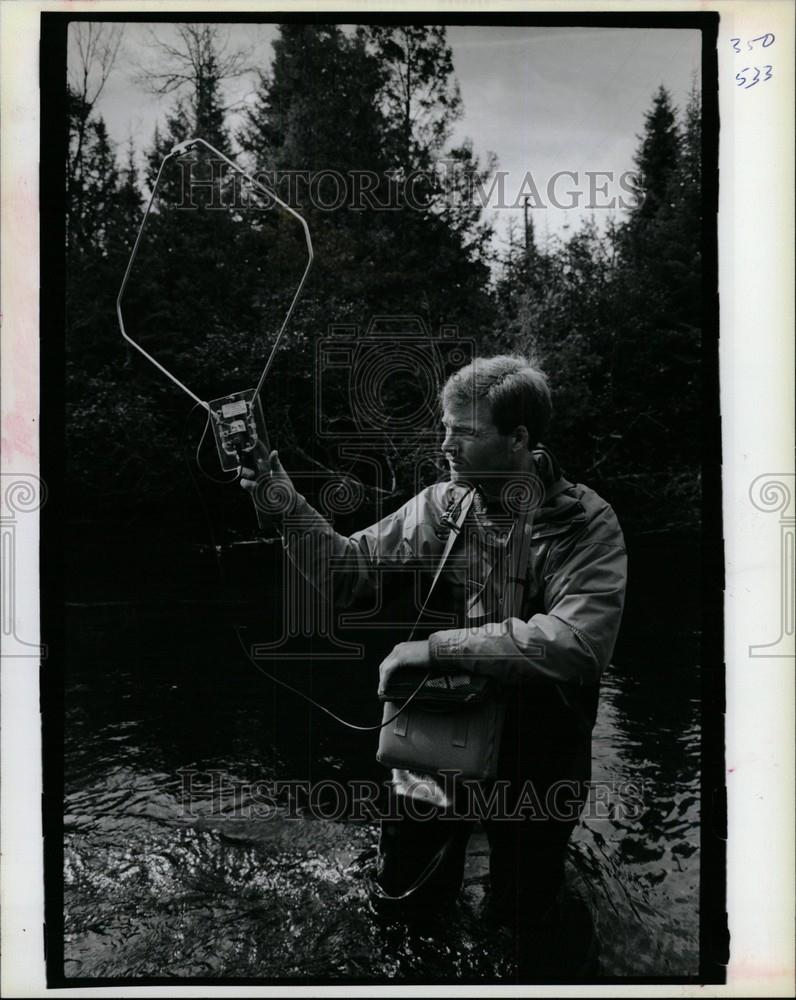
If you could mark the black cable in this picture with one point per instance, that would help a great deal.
(237, 628)
(322, 708)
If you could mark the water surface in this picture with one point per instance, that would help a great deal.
(237, 882)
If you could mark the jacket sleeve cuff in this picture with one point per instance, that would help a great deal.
(277, 520)
(445, 651)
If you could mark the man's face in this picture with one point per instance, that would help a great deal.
(474, 448)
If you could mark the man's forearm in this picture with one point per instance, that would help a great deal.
(331, 562)
(513, 651)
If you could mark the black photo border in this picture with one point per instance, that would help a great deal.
(713, 937)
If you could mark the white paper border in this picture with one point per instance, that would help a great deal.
(756, 269)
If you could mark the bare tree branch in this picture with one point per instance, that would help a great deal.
(186, 64)
(97, 46)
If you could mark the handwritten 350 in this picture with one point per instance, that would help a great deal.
(765, 41)
(750, 75)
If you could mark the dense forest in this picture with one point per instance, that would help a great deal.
(614, 315)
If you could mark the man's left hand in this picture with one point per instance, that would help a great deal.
(406, 654)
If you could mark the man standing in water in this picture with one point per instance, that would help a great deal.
(547, 658)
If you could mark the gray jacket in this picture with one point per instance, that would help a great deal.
(574, 589)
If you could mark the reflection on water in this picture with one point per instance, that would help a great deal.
(153, 887)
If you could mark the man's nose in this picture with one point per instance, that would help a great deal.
(450, 443)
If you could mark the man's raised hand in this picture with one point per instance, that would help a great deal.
(271, 488)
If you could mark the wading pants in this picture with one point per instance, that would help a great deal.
(528, 821)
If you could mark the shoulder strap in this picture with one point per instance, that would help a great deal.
(456, 527)
(518, 567)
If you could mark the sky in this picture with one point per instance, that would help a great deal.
(544, 99)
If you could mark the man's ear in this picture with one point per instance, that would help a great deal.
(520, 438)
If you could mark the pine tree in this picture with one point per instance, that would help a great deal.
(325, 105)
(193, 285)
(96, 47)
(616, 316)
(658, 309)
(92, 179)
(129, 202)
(316, 109)
(657, 157)
(420, 95)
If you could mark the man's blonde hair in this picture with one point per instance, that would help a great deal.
(517, 392)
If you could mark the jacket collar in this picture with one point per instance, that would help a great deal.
(559, 508)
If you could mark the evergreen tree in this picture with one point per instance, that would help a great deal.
(194, 282)
(325, 106)
(129, 202)
(657, 157)
(96, 47)
(373, 254)
(617, 317)
(420, 94)
(691, 149)
(316, 108)
(92, 180)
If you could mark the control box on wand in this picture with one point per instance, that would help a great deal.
(237, 419)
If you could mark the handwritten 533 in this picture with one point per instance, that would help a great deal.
(751, 75)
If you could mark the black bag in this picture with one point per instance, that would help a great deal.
(453, 724)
